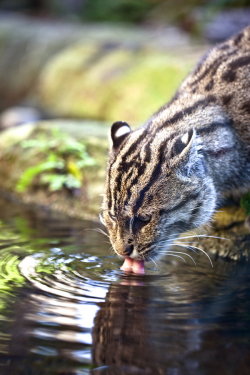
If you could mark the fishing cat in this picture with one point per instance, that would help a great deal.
(169, 176)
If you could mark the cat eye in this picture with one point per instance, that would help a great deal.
(144, 218)
(139, 222)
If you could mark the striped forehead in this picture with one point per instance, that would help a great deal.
(135, 164)
(124, 164)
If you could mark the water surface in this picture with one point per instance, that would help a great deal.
(66, 308)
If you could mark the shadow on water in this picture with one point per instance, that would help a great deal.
(65, 308)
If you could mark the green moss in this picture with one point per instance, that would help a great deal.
(148, 85)
(110, 84)
(60, 83)
(77, 82)
(245, 203)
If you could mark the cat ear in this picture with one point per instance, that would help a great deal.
(183, 143)
(189, 153)
(119, 131)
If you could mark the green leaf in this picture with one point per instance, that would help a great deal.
(54, 181)
(58, 181)
(86, 161)
(58, 151)
(28, 176)
(72, 182)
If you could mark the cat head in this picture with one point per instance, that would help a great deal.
(157, 186)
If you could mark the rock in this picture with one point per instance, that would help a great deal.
(110, 84)
(76, 82)
(14, 116)
(149, 84)
(229, 234)
(229, 216)
(25, 46)
(78, 70)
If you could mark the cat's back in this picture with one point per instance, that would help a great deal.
(224, 73)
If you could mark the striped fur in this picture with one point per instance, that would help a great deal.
(169, 175)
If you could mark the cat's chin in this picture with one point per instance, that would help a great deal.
(133, 265)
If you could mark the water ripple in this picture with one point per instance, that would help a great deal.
(61, 282)
(66, 306)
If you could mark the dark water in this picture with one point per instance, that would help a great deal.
(65, 308)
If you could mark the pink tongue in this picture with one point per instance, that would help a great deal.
(133, 265)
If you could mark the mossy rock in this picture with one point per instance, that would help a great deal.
(25, 46)
(148, 85)
(76, 82)
(228, 216)
(110, 83)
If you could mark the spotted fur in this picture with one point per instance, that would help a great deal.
(168, 176)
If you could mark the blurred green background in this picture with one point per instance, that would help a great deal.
(128, 11)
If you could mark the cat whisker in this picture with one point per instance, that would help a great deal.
(188, 255)
(179, 252)
(111, 250)
(152, 260)
(198, 236)
(176, 256)
(99, 230)
(197, 248)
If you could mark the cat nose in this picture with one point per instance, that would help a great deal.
(128, 250)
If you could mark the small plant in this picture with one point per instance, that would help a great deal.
(62, 161)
